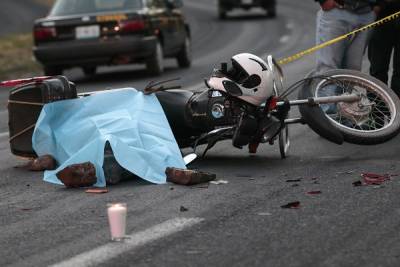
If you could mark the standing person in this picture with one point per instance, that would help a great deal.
(385, 39)
(338, 17)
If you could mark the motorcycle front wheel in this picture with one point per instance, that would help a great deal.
(372, 120)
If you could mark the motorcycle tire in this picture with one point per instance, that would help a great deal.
(378, 125)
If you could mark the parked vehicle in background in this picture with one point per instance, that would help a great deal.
(90, 33)
(224, 6)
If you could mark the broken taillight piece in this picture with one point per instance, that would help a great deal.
(375, 179)
(292, 205)
(314, 192)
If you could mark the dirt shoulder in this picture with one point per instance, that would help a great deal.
(16, 59)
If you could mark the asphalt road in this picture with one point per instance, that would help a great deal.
(236, 224)
(18, 16)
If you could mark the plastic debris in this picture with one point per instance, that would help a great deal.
(293, 180)
(374, 179)
(26, 209)
(188, 177)
(78, 175)
(183, 209)
(96, 190)
(292, 205)
(314, 193)
(218, 182)
(42, 163)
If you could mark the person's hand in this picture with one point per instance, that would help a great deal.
(329, 5)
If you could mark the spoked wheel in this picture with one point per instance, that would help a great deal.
(372, 120)
(284, 142)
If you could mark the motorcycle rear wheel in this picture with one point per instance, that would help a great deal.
(372, 120)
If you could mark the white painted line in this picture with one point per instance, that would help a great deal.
(135, 240)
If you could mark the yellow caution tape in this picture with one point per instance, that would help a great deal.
(338, 39)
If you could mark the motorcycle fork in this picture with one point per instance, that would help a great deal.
(272, 115)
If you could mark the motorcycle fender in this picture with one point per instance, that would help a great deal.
(316, 118)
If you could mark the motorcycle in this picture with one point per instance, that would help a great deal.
(339, 105)
(365, 111)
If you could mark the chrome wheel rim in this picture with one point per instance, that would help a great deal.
(383, 110)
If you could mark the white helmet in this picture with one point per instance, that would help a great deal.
(250, 73)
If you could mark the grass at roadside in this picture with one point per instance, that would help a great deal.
(16, 60)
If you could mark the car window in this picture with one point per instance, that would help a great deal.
(71, 7)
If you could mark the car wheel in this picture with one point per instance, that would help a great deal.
(155, 64)
(184, 57)
(271, 11)
(52, 70)
(89, 71)
(221, 13)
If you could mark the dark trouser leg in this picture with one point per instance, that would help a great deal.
(379, 52)
(395, 84)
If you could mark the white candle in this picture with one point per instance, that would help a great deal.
(117, 219)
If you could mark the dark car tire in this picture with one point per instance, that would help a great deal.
(271, 11)
(89, 71)
(155, 64)
(184, 57)
(52, 70)
(221, 13)
(371, 84)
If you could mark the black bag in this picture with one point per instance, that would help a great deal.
(25, 104)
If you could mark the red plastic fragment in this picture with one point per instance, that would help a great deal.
(12, 83)
(374, 179)
(292, 205)
(314, 193)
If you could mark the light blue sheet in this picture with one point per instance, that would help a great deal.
(75, 131)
